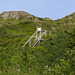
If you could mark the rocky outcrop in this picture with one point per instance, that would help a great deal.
(46, 18)
(17, 15)
(53, 28)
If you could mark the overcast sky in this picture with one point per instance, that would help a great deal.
(53, 9)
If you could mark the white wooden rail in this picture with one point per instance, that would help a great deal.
(39, 39)
(30, 39)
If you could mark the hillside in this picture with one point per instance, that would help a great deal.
(53, 56)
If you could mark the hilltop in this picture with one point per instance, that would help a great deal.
(17, 15)
(20, 15)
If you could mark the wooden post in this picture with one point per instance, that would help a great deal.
(40, 34)
(45, 33)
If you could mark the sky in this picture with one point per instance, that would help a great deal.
(54, 9)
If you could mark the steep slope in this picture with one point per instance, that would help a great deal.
(53, 56)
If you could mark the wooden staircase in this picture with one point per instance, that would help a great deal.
(42, 33)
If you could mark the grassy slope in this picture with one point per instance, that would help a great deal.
(55, 52)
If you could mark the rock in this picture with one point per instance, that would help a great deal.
(17, 15)
(36, 19)
(46, 18)
(53, 28)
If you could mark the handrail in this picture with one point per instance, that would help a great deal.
(39, 38)
(30, 39)
(34, 43)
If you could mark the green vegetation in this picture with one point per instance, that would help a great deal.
(54, 56)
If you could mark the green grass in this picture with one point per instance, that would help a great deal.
(56, 51)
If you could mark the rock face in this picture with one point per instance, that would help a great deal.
(53, 28)
(17, 15)
(46, 18)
